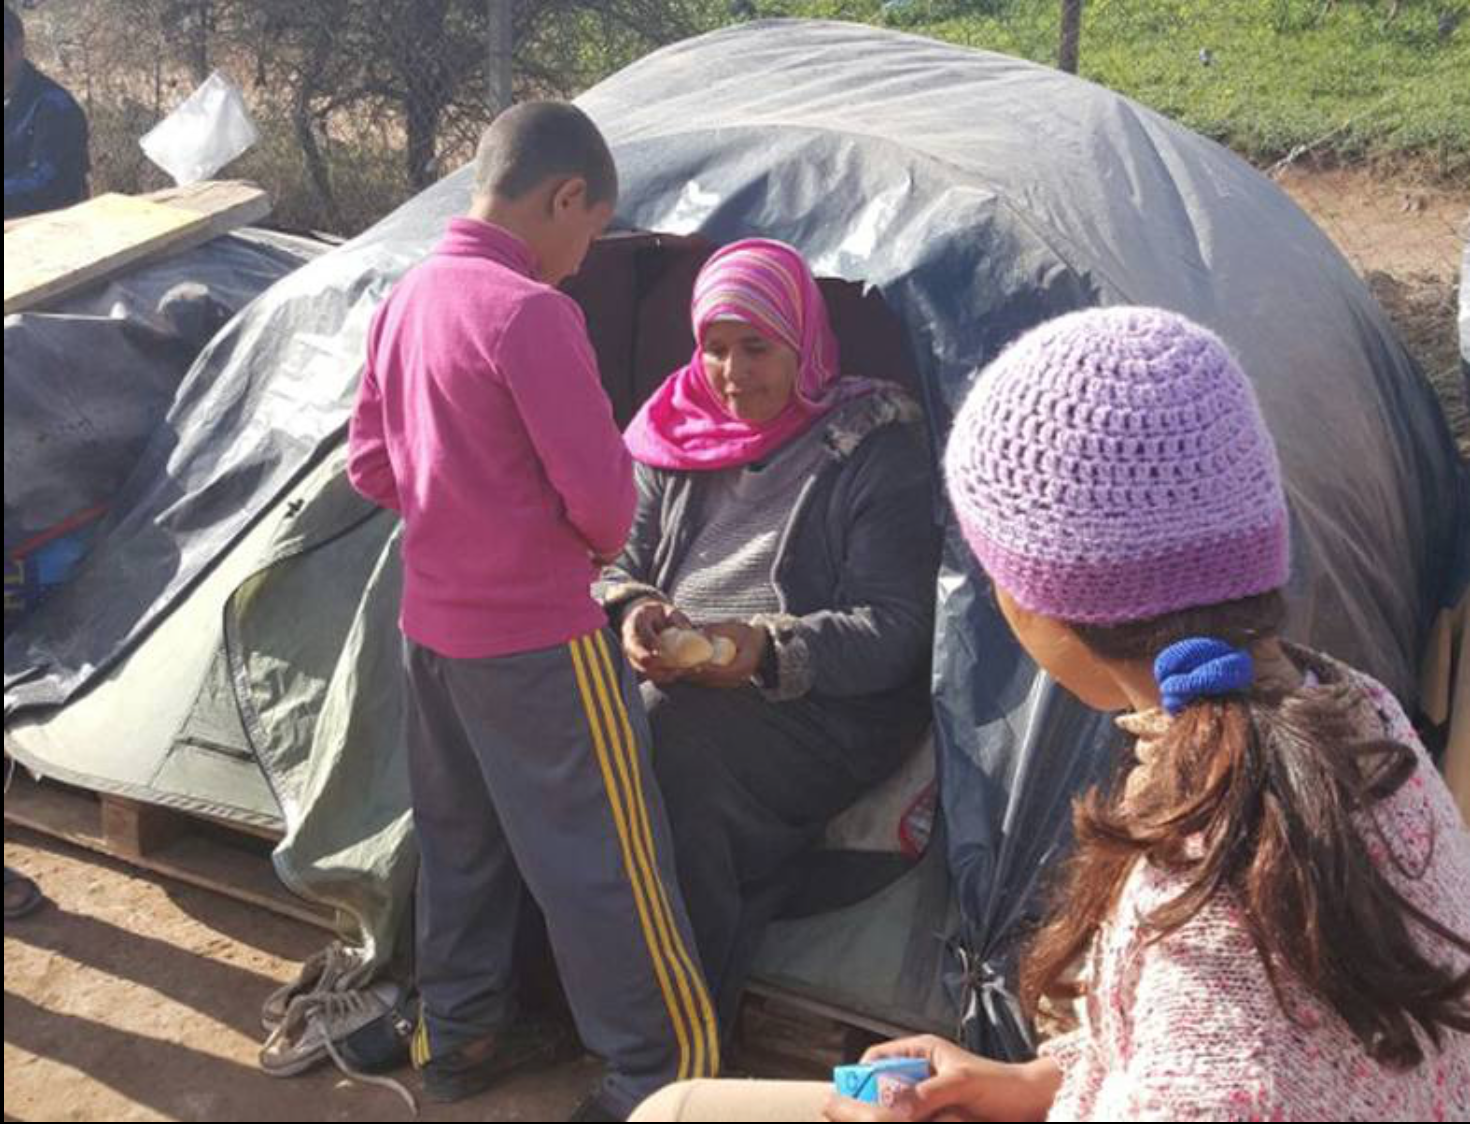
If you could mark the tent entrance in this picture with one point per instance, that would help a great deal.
(635, 287)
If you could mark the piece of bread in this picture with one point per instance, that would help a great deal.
(724, 651)
(684, 648)
(687, 648)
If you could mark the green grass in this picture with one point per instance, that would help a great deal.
(1284, 73)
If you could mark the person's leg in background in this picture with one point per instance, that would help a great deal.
(735, 1101)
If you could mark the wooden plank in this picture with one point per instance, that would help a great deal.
(48, 256)
(780, 1033)
(134, 829)
(58, 253)
(229, 204)
(878, 1027)
(780, 1039)
(202, 857)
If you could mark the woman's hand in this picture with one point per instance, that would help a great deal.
(642, 625)
(963, 1086)
(750, 649)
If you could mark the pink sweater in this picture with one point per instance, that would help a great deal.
(482, 420)
(1188, 1028)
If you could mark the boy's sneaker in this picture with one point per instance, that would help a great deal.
(313, 1020)
(383, 1044)
(528, 1044)
(338, 967)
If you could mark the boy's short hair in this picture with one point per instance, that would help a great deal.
(15, 31)
(531, 142)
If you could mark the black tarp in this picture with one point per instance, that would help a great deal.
(88, 380)
(978, 195)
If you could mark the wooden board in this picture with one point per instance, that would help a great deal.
(48, 256)
(814, 1008)
(228, 204)
(779, 1033)
(776, 1036)
(197, 850)
(57, 253)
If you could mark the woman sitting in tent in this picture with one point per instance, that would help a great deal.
(1269, 917)
(788, 511)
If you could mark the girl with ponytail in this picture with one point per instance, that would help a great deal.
(1266, 915)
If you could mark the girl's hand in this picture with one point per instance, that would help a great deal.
(963, 1086)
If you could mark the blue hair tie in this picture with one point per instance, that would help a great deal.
(1201, 668)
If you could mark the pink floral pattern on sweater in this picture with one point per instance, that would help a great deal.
(1188, 1028)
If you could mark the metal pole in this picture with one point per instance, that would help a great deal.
(502, 34)
(1070, 48)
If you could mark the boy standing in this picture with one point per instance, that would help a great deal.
(482, 420)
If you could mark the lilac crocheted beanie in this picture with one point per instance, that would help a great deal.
(1112, 465)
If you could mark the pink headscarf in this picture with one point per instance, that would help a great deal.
(767, 285)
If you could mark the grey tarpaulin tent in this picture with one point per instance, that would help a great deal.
(975, 195)
(88, 379)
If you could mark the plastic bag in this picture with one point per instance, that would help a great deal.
(204, 134)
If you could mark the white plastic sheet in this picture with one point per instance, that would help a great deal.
(211, 128)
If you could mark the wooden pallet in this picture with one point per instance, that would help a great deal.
(785, 1036)
(229, 858)
(780, 1034)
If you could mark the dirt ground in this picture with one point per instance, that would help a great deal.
(1404, 233)
(1392, 220)
(130, 997)
(133, 998)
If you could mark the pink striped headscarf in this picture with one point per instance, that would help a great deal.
(767, 285)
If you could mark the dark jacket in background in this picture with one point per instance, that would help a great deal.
(46, 161)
